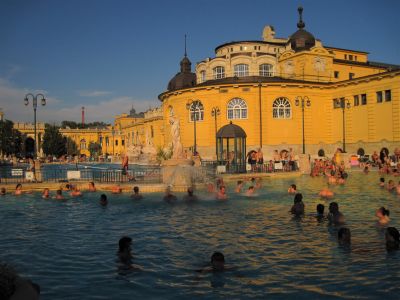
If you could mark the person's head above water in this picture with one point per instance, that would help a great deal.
(293, 186)
(298, 198)
(333, 207)
(103, 199)
(3, 191)
(217, 261)
(190, 191)
(136, 189)
(392, 237)
(124, 243)
(382, 179)
(320, 209)
(382, 211)
(18, 186)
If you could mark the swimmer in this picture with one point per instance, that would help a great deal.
(221, 195)
(392, 238)
(335, 216)
(250, 191)
(256, 182)
(116, 189)
(292, 189)
(344, 236)
(136, 195)
(46, 193)
(218, 262)
(18, 189)
(3, 191)
(169, 197)
(69, 187)
(103, 200)
(383, 215)
(92, 187)
(298, 205)
(390, 186)
(366, 170)
(239, 186)
(341, 178)
(210, 188)
(190, 197)
(76, 192)
(382, 182)
(320, 210)
(14, 287)
(59, 195)
(124, 251)
(220, 182)
(326, 193)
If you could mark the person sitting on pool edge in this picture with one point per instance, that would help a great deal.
(190, 197)
(392, 237)
(103, 200)
(383, 215)
(92, 187)
(136, 195)
(46, 193)
(344, 236)
(3, 191)
(124, 250)
(13, 287)
(169, 197)
(335, 216)
(116, 189)
(292, 189)
(298, 206)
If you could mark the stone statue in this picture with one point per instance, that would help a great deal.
(177, 148)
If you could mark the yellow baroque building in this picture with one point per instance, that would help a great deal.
(271, 87)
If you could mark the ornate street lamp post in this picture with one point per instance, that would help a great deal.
(214, 113)
(34, 103)
(344, 103)
(195, 107)
(113, 141)
(303, 101)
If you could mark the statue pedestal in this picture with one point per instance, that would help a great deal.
(177, 173)
(304, 164)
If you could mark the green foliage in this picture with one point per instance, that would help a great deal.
(75, 125)
(163, 155)
(94, 149)
(71, 146)
(11, 140)
(53, 142)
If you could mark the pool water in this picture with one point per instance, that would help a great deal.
(69, 248)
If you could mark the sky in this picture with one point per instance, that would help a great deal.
(110, 55)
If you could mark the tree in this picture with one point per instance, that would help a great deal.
(53, 141)
(94, 149)
(71, 146)
(10, 139)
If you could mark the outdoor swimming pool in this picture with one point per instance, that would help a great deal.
(69, 247)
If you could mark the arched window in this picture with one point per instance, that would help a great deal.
(202, 76)
(237, 109)
(266, 70)
(241, 70)
(219, 72)
(83, 144)
(281, 109)
(196, 111)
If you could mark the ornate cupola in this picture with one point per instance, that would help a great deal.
(185, 78)
(301, 40)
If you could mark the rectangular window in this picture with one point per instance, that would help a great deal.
(355, 57)
(255, 47)
(336, 74)
(356, 100)
(351, 75)
(345, 56)
(336, 103)
(123, 142)
(363, 99)
(388, 95)
(379, 97)
(107, 141)
(350, 57)
(116, 142)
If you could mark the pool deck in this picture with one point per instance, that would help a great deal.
(144, 187)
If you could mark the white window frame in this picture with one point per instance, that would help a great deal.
(237, 109)
(219, 72)
(281, 109)
(241, 70)
(266, 70)
(199, 113)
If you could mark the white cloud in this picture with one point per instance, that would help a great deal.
(55, 111)
(93, 93)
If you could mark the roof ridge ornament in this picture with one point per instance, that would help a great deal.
(300, 24)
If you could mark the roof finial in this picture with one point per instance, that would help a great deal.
(185, 46)
(300, 24)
